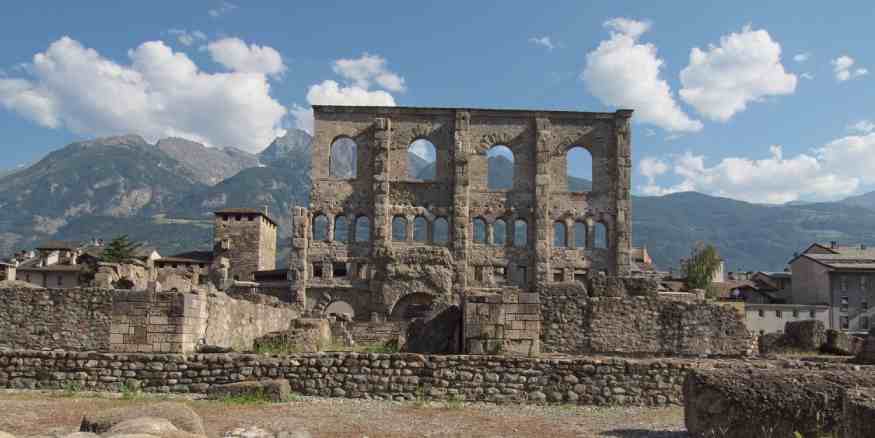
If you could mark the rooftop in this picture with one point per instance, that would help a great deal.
(58, 244)
(231, 211)
(848, 257)
(189, 257)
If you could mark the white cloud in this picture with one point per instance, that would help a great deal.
(235, 55)
(720, 81)
(223, 8)
(842, 68)
(362, 74)
(802, 57)
(543, 41)
(160, 93)
(806, 75)
(187, 38)
(652, 167)
(368, 70)
(852, 156)
(622, 72)
(863, 126)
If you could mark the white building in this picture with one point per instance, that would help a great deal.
(770, 318)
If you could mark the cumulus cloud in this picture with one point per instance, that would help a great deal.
(368, 70)
(806, 75)
(223, 8)
(802, 57)
(187, 38)
(235, 55)
(622, 72)
(543, 41)
(360, 74)
(160, 93)
(863, 126)
(843, 69)
(746, 67)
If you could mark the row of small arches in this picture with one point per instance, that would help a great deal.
(437, 231)
(422, 164)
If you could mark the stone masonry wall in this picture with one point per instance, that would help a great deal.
(496, 324)
(236, 323)
(576, 324)
(71, 319)
(585, 380)
(163, 322)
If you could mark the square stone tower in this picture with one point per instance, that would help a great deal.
(247, 238)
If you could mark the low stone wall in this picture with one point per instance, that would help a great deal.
(237, 322)
(162, 322)
(575, 323)
(496, 324)
(585, 380)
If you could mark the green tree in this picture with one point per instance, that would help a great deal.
(700, 267)
(120, 250)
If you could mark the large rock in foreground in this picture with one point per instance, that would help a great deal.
(859, 412)
(767, 403)
(178, 414)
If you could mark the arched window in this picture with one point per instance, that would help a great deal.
(342, 162)
(601, 236)
(341, 229)
(499, 233)
(399, 228)
(559, 238)
(479, 230)
(520, 233)
(339, 308)
(420, 229)
(579, 235)
(320, 227)
(499, 161)
(441, 231)
(362, 229)
(578, 169)
(421, 160)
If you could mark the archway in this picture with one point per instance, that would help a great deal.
(578, 169)
(421, 160)
(342, 162)
(415, 305)
(499, 163)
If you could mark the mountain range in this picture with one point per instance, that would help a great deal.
(164, 194)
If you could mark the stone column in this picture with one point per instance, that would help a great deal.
(382, 224)
(460, 237)
(542, 224)
(299, 267)
(620, 239)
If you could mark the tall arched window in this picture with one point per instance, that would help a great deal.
(362, 229)
(441, 231)
(578, 169)
(320, 227)
(520, 233)
(342, 162)
(479, 230)
(499, 233)
(601, 236)
(341, 229)
(579, 235)
(420, 229)
(399, 228)
(559, 235)
(499, 161)
(421, 160)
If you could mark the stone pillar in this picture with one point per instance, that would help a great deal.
(542, 224)
(382, 219)
(460, 236)
(299, 267)
(620, 237)
(408, 227)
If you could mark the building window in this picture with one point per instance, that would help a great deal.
(843, 284)
(864, 323)
(479, 230)
(421, 158)
(478, 274)
(601, 236)
(761, 313)
(440, 230)
(520, 233)
(779, 314)
(501, 272)
(339, 270)
(60, 280)
(844, 305)
(523, 274)
(795, 313)
(341, 229)
(559, 238)
(320, 227)
(499, 233)
(317, 270)
(363, 271)
(420, 229)
(843, 322)
(362, 229)
(342, 159)
(864, 305)
(862, 283)
(579, 235)
(399, 228)
(580, 276)
(499, 168)
(812, 314)
(558, 275)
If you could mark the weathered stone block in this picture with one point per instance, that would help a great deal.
(277, 390)
(858, 409)
(808, 335)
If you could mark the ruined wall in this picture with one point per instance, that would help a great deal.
(236, 323)
(156, 322)
(577, 324)
(70, 319)
(495, 324)
(583, 381)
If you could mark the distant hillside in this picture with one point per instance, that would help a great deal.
(866, 200)
(209, 165)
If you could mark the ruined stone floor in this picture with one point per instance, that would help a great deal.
(32, 413)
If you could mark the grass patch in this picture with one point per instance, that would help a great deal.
(71, 389)
(131, 392)
(256, 398)
(455, 402)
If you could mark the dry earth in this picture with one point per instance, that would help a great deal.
(32, 413)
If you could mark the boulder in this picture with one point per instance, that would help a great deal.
(808, 335)
(145, 425)
(277, 390)
(437, 333)
(859, 413)
(838, 342)
(769, 402)
(179, 414)
(770, 343)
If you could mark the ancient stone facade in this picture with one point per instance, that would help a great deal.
(376, 234)
(247, 238)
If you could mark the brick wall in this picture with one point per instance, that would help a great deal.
(495, 324)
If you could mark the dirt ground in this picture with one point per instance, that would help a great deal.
(49, 413)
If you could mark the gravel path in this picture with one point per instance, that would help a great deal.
(31, 413)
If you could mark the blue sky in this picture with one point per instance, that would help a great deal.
(745, 120)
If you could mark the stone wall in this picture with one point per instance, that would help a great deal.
(150, 322)
(237, 322)
(70, 319)
(496, 324)
(577, 324)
